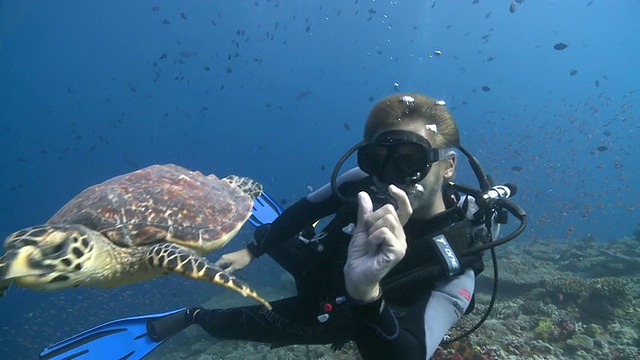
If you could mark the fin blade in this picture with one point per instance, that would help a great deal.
(265, 210)
(123, 338)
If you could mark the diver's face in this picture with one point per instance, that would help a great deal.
(425, 194)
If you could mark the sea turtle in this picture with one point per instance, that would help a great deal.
(158, 220)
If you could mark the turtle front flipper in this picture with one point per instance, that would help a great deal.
(176, 259)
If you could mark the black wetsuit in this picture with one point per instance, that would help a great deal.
(321, 313)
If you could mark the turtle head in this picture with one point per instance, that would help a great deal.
(47, 257)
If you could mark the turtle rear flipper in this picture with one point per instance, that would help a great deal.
(173, 258)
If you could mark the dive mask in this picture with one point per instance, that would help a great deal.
(398, 157)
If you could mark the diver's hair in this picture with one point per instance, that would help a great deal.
(397, 108)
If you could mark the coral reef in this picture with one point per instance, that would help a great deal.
(563, 300)
(544, 330)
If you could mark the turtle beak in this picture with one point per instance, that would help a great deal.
(4, 284)
(17, 265)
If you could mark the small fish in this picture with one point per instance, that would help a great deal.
(597, 83)
(302, 94)
(513, 7)
(560, 46)
(602, 148)
(516, 168)
(166, 22)
(573, 72)
(187, 53)
(485, 88)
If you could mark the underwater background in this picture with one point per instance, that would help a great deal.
(544, 93)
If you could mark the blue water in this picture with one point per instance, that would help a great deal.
(279, 90)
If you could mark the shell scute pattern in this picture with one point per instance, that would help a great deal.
(160, 203)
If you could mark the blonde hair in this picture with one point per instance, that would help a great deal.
(413, 107)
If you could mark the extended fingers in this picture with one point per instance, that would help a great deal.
(386, 217)
(365, 207)
(404, 209)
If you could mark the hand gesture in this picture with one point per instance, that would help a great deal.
(378, 244)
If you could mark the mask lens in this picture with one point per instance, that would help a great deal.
(372, 158)
(399, 163)
(410, 158)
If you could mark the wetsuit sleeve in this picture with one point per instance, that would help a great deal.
(293, 220)
(419, 332)
(317, 205)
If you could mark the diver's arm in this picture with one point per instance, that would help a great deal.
(289, 223)
(375, 248)
(418, 334)
(317, 205)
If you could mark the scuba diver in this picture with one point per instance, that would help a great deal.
(393, 270)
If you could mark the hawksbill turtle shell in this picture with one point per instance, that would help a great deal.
(158, 220)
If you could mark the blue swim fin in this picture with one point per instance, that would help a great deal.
(126, 338)
(265, 210)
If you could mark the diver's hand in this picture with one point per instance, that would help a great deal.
(234, 261)
(378, 244)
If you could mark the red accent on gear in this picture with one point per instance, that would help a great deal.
(465, 294)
